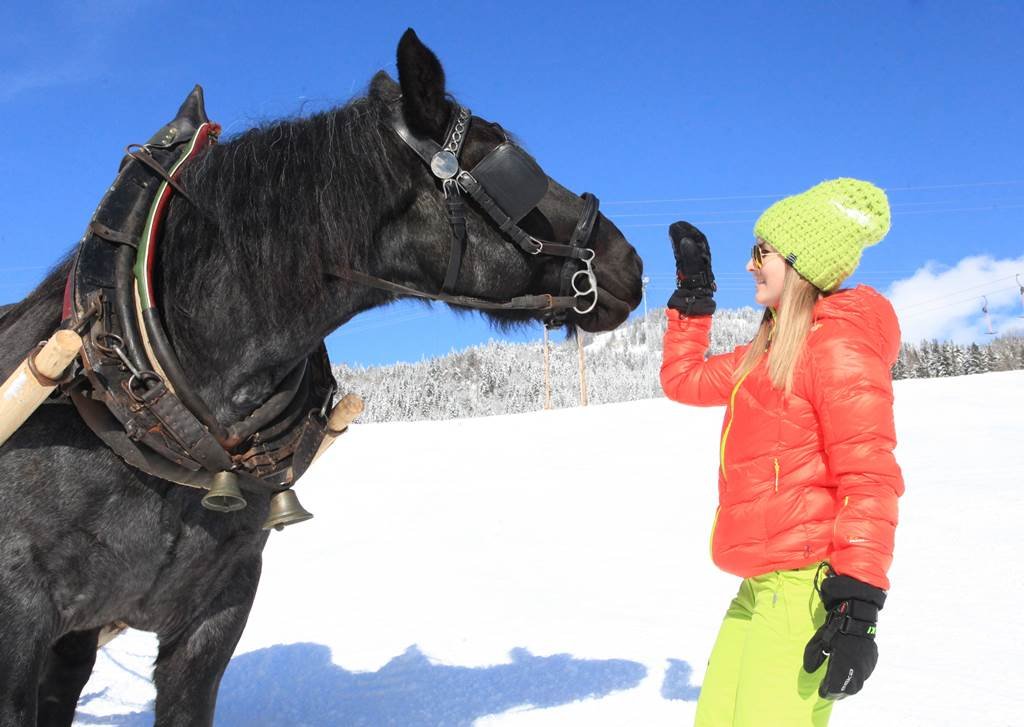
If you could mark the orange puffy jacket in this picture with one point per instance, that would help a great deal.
(811, 476)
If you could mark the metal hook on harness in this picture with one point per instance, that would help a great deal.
(451, 188)
(587, 274)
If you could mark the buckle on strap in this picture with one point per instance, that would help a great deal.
(855, 619)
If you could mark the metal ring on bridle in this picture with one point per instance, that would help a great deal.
(140, 378)
(592, 290)
(591, 282)
(115, 342)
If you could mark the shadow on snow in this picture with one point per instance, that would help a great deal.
(677, 682)
(297, 684)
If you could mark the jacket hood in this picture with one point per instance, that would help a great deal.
(868, 311)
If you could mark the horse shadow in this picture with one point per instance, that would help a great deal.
(297, 684)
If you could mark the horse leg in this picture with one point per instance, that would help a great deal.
(68, 667)
(23, 640)
(190, 663)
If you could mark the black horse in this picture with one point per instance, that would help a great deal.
(247, 276)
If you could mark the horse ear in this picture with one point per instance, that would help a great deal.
(383, 87)
(421, 77)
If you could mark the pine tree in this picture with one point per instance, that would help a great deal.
(974, 362)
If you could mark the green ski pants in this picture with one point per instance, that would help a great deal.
(755, 675)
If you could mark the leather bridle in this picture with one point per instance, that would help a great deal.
(506, 184)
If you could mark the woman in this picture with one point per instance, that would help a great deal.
(807, 484)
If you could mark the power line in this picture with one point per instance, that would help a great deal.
(22, 269)
(964, 185)
(1003, 204)
(955, 292)
(751, 220)
(960, 301)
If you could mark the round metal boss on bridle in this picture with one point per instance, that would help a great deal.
(444, 164)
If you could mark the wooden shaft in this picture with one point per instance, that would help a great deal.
(343, 413)
(583, 368)
(110, 632)
(547, 371)
(22, 393)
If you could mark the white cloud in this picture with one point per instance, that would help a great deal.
(945, 303)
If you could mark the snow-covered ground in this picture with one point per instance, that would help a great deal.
(552, 569)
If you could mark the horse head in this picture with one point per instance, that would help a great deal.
(500, 261)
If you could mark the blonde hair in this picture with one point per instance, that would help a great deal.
(782, 335)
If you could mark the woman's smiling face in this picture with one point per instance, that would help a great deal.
(770, 278)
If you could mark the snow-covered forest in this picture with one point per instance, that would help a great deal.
(623, 365)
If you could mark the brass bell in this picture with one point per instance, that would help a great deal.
(285, 510)
(224, 494)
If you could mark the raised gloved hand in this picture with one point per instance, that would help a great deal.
(695, 283)
(847, 639)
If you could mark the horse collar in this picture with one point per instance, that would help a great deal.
(134, 393)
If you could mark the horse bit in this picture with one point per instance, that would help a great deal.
(506, 184)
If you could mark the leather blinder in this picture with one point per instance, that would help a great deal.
(513, 180)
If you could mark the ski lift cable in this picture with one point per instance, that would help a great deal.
(983, 208)
(958, 302)
(24, 268)
(954, 292)
(950, 304)
(369, 326)
(895, 205)
(751, 220)
(965, 185)
(718, 276)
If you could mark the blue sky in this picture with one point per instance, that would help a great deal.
(700, 111)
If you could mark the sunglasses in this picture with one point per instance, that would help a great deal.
(757, 255)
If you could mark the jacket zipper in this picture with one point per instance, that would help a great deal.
(732, 415)
(835, 520)
(711, 540)
(776, 461)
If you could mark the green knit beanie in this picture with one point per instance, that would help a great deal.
(822, 231)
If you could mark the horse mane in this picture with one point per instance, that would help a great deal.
(287, 201)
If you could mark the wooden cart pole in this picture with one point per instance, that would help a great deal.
(343, 413)
(583, 368)
(26, 388)
(547, 371)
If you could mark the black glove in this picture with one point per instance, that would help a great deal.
(847, 638)
(695, 283)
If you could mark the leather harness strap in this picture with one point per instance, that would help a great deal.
(543, 302)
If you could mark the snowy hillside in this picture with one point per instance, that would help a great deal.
(461, 573)
(508, 378)
(621, 365)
